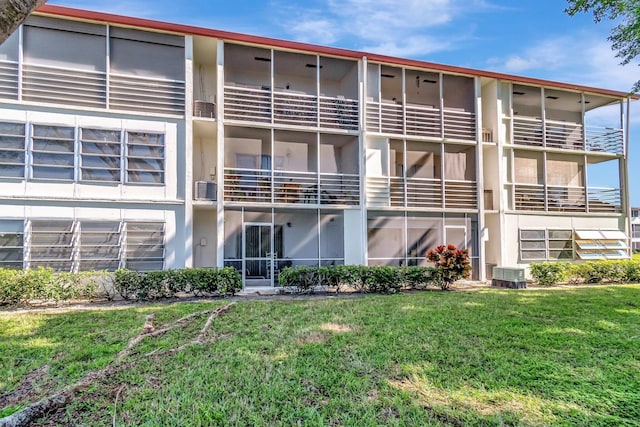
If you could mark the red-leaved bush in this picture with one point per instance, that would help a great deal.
(451, 264)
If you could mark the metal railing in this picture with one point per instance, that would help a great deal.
(421, 193)
(267, 186)
(146, 94)
(604, 199)
(554, 198)
(290, 108)
(459, 125)
(567, 135)
(423, 121)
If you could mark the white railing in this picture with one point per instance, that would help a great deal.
(423, 121)
(290, 108)
(608, 140)
(9, 79)
(145, 94)
(59, 85)
(460, 194)
(527, 131)
(247, 104)
(424, 193)
(564, 135)
(385, 117)
(339, 189)
(420, 120)
(604, 199)
(295, 187)
(565, 199)
(529, 197)
(266, 186)
(247, 185)
(338, 113)
(459, 125)
(295, 109)
(567, 135)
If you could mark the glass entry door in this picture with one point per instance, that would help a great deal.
(258, 255)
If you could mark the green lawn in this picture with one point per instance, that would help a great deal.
(495, 357)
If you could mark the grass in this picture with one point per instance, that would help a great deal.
(495, 357)
(636, 256)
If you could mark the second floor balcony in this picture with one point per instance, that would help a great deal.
(567, 136)
(541, 198)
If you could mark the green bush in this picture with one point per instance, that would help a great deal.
(549, 273)
(20, 287)
(371, 279)
(151, 285)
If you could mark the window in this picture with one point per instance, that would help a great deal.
(11, 244)
(52, 245)
(100, 243)
(145, 158)
(145, 246)
(12, 150)
(598, 244)
(560, 244)
(53, 152)
(100, 155)
(533, 245)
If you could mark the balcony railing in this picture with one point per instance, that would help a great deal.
(266, 186)
(535, 197)
(9, 79)
(426, 193)
(566, 135)
(604, 200)
(290, 108)
(420, 120)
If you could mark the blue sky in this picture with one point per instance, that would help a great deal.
(533, 38)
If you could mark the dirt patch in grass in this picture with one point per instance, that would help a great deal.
(34, 384)
(314, 337)
(336, 328)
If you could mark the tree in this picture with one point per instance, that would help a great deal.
(13, 13)
(625, 36)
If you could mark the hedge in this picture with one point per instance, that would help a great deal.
(607, 271)
(43, 285)
(370, 279)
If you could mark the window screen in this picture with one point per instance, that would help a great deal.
(100, 243)
(145, 158)
(52, 244)
(12, 150)
(145, 246)
(533, 245)
(101, 152)
(11, 244)
(53, 152)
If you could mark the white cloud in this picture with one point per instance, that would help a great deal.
(408, 28)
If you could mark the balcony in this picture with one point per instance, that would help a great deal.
(420, 120)
(535, 197)
(567, 136)
(253, 104)
(424, 193)
(266, 186)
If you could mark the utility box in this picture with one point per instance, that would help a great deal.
(509, 277)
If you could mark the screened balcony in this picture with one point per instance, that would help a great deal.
(416, 174)
(65, 62)
(308, 90)
(408, 102)
(292, 167)
(567, 124)
(562, 188)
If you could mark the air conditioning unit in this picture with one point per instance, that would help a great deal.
(205, 190)
(204, 109)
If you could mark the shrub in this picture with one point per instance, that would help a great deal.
(417, 277)
(381, 279)
(632, 271)
(450, 263)
(300, 279)
(549, 273)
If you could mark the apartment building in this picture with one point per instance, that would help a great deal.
(133, 143)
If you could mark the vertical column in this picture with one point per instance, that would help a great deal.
(359, 255)
(479, 178)
(220, 155)
(187, 158)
